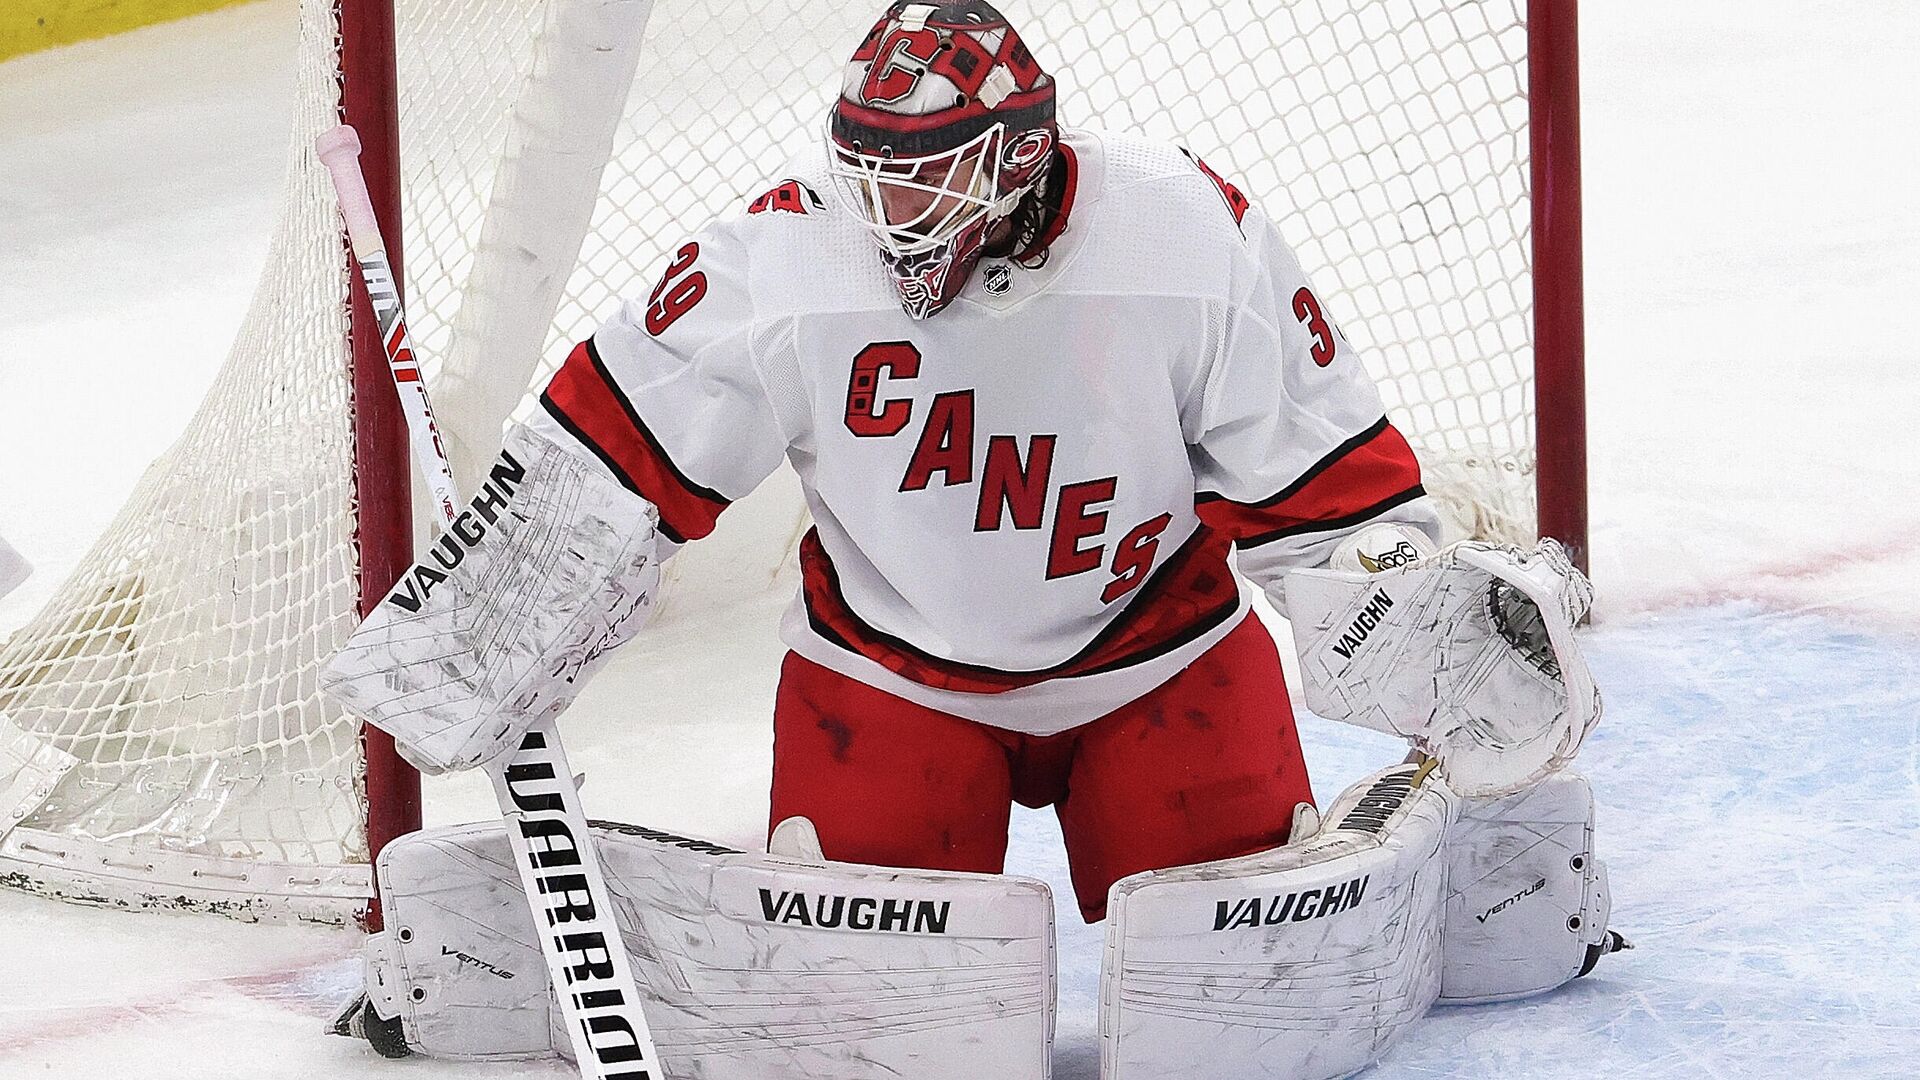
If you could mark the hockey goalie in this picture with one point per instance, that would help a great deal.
(1044, 388)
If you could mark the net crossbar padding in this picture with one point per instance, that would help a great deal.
(163, 741)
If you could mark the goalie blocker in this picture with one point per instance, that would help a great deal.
(551, 567)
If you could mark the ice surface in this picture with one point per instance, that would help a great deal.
(1754, 255)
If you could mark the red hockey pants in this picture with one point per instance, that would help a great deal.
(1206, 766)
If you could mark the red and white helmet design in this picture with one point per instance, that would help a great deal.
(945, 122)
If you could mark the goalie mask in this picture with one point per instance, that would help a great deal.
(944, 124)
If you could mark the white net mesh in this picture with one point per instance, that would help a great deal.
(1389, 137)
(160, 719)
(172, 678)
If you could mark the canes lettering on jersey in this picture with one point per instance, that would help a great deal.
(1017, 485)
(896, 358)
(946, 445)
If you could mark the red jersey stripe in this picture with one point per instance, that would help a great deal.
(1192, 592)
(584, 399)
(1361, 478)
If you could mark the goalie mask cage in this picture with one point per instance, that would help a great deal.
(162, 738)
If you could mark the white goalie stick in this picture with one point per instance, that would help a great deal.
(572, 909)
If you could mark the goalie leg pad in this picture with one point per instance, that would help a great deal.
(751, 965)
(1527, 902)
(1303, 962)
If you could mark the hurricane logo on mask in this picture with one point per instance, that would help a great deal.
(1029, 150)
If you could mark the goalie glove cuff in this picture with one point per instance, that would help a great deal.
(1384, 546)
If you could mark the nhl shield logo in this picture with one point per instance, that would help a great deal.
(999, 278)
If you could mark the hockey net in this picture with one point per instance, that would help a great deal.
(162, 740)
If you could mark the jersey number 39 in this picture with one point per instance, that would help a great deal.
(1306, 308)
(677, 292)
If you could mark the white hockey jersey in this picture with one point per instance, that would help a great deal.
(1024, 506)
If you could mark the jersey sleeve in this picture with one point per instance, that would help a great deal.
(1291, 447)
(667, 395)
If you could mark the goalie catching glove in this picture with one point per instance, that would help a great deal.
(1469, 655)
(550, 567)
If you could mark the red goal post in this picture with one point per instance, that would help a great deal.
(383, 467)
(162, 742)
(1559, 275)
